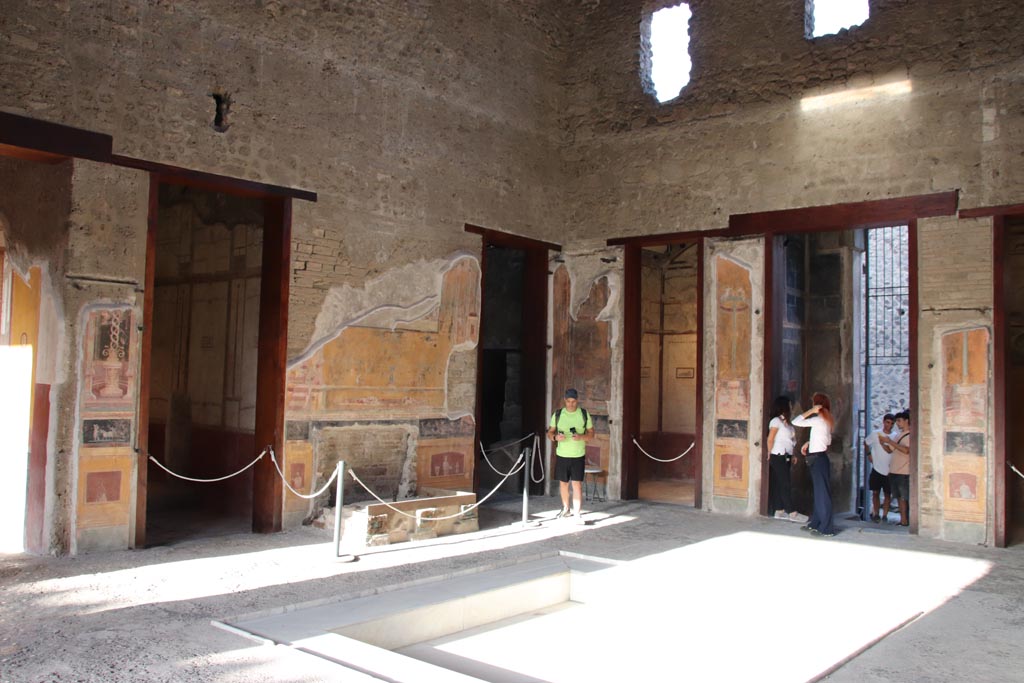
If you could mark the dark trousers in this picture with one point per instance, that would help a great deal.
(820, 467)
(779, 487)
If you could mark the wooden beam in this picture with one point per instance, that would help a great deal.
(631, 343)
(505, 239)
(698, 452)
(271, 363)
(53, 139)
(915, 372)
(843, 216)
(986, 211)
(999, 366)
(772, 340)
(145, 365)
(175, 175)
(663, 239)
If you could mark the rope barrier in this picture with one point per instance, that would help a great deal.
(210, 481)
(502, 449)
(1019, 474)
(537, 457)
(435, 519)
(273, 459)
(659, 459)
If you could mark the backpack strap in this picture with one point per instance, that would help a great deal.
(586, 417)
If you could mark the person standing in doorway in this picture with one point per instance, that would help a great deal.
(819, 419)
(878, 446)
(899, 468)
(571, 428)
(781, 443)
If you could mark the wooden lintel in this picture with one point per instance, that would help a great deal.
(992, 211)
(506, 239)
(47, 140)
(843, 216)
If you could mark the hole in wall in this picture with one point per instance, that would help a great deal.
(222, 104)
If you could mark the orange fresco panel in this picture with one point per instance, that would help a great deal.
(964, 485)
(977, 357)
(732, 334)
(98, 504)
(731, 468)
(445, 463)
(298, 466)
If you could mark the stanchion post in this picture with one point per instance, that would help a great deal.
(527, 471)
(339, 501)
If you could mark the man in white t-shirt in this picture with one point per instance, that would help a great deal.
(878, 446)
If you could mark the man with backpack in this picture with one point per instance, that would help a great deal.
(571, 428)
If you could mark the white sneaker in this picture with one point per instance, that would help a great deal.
(781, 514)
(795, 516)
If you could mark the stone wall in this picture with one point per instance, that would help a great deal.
(738, 140)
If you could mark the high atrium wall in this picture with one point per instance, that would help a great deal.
(410, 120)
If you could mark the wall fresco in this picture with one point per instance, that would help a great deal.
(965, 390)
(107, 420)
(733, 325)
(387, 366)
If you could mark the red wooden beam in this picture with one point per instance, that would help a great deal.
(506, 239)
(52, 139)
(843, 216)
(999, 333)
(986, 211)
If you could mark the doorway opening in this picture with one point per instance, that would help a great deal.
(1013, 298)
(841, 326)
(204, 372)
(670, 335)
(512, 361)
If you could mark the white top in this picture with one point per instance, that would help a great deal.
(785, 438)
(821, 434)
(880, 458)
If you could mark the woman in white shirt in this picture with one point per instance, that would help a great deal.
(781, 443)
(819, 419)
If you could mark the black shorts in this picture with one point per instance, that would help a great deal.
(569, 469)
(900, 484)
(879, 482)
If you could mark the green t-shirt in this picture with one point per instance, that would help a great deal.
(566, 421)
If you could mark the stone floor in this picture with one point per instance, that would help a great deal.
(146, 615)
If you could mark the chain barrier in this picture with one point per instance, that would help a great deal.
(659, 459)
(273, 459)
(435, 519)
(1018, 472)
(502, 449)
(210, 481)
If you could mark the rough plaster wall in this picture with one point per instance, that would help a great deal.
(955, 293)
(407, 119)
(106, 238)
(737, 140)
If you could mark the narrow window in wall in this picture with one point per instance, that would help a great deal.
(825, 17)
(665, 52)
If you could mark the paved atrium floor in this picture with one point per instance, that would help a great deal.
(694, 596)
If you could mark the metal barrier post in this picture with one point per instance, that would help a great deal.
(527, 470)
(339, 501)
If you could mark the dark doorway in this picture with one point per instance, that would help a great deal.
(666, 462)
(1013, 315)
(203, 375)
(511, 384)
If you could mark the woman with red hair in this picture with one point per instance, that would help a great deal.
(819, 419)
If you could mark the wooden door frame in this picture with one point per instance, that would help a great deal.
(632, 321)
(534, 332)
(999, 216)
(828, 218)
(275, 281)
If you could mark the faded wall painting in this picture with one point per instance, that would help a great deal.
(965, 391)
(106, 429)
(388, 366)
(581, 357)
(733, 325)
